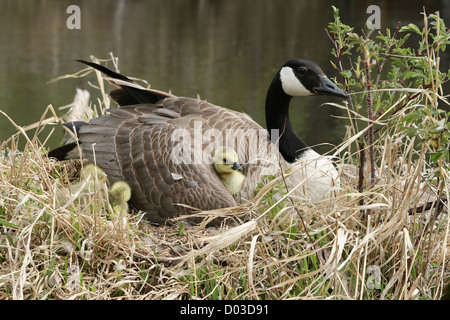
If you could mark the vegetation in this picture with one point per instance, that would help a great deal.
(371, 242)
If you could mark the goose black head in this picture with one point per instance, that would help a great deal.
(303, 78)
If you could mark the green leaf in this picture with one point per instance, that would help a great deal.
(435, 156)
(410, 28)
(347, 73)
(9, 224)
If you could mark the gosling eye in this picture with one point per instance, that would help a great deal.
(301, 71)
(224, 160)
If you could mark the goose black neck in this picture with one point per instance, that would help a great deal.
(290, 145)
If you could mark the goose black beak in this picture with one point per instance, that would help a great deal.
(328, 88)
(236, 166)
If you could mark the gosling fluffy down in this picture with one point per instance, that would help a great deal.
(120, 194)
(225, 162)
(90, 175)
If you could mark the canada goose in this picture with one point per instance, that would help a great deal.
(157, 143)
(225, 162)
(119, 195)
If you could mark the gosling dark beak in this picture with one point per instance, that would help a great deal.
(328, 88)
(236, 166)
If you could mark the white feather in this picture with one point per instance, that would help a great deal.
(313, 176)
(322, 178)
(290, 83)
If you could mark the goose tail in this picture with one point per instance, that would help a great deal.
(104, 70)
(68, 150)
(129, 92)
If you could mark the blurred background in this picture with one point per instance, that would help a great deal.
(227, 51)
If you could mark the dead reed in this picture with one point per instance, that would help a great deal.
(80, 248)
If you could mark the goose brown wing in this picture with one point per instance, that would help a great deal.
(258, 155)
(136, 144)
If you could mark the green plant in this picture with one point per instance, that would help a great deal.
(394, 89)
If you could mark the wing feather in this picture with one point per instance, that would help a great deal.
(135, 144)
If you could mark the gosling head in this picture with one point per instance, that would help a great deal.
(225, 160)
(120, 191)
(305, 78)
(91, 171)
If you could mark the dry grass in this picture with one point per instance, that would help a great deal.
(82, 249)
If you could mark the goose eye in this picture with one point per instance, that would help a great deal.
(302, 71)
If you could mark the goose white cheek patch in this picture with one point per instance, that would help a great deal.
(291, 85)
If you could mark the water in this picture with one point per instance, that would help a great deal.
(225, 51)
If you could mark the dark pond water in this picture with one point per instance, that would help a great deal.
(227, 51)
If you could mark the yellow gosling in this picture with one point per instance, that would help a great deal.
(90, 176)
(225, 162)
(119, 195)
